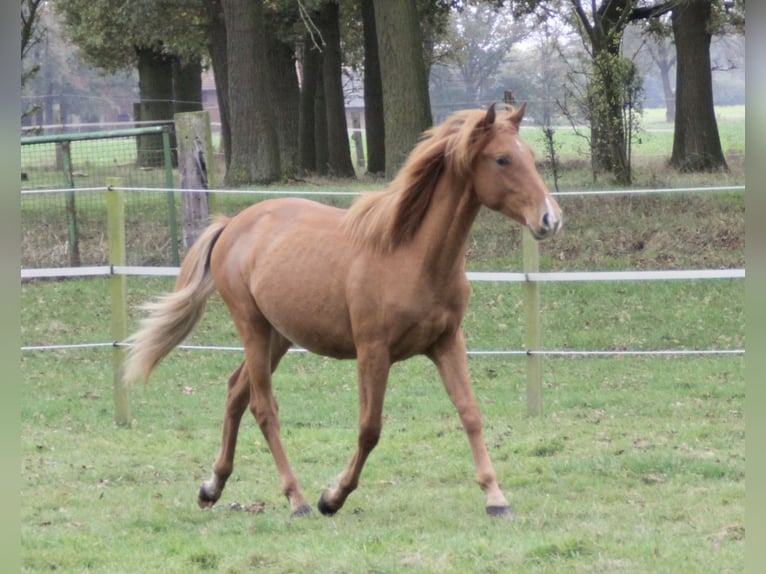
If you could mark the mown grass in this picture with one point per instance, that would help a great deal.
(637, 465)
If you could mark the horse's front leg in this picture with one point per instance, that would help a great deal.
(373, 365)
(450, 357)
(236, 403)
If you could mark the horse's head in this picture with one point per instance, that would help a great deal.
(505, 178)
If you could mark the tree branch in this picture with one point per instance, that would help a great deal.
(583, 17)
(645, 12)
(29, 18)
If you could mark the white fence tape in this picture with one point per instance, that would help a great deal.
(326, 193)
(477, 276)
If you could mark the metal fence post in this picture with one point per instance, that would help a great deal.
(71, 211)
(172, 219)
(115, 207)
(532, 328)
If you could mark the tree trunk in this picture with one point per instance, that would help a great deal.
(320, 127)
(187, 86)
(373, 94)
(217, 49)
(155, 87)
(254, 143)
(608, 149)
(406, 105)
(665, 62)
(667, 88)
(607, 85)
(338, 149)
(696, 142)
(312, 62)
(285, 101)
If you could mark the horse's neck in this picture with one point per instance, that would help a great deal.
(443, 235)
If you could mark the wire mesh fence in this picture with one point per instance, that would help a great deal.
(69, 229)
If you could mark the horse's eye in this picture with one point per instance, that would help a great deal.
(502, 161)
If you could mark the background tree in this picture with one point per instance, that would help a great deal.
(30, 37)
(254, 143)
(164, 43)
(216, 44)
(66, 89)
(311, 64)
(406, 105)
(480, 37)
(373, 93)
(284, 90)
(338, 150)
(601, 26)
(696, 142)
(663, 55)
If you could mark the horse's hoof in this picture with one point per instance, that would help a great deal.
(324, 508)
(205, 500)
(502, 512)
(302, 511)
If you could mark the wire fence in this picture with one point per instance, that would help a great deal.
(139, 267)
(60, 229)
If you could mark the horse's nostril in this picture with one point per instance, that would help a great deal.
(546, 221)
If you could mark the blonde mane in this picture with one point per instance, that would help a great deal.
(386, 219)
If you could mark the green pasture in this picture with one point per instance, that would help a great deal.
(652, 141)
(637, 465)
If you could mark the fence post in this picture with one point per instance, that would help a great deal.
(532, 330)
(171, 196)
(71, 210)
(195, 152)
(115, 208)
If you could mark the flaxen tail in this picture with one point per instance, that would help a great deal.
(172, 317)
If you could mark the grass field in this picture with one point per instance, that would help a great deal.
(637, 465)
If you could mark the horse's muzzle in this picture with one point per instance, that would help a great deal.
(550, 223)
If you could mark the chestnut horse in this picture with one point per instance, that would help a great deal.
(379, 282)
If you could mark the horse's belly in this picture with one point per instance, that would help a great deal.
(319, 330)
(308, 307)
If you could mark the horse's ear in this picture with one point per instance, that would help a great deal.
(517, 115)
(489, 119)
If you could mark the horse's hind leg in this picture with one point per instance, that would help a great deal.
(236, 403)
(264, 407)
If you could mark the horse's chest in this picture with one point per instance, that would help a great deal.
(413, 326)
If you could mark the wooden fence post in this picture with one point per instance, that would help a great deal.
(195, 150)
(532, 329)
(115, 208)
